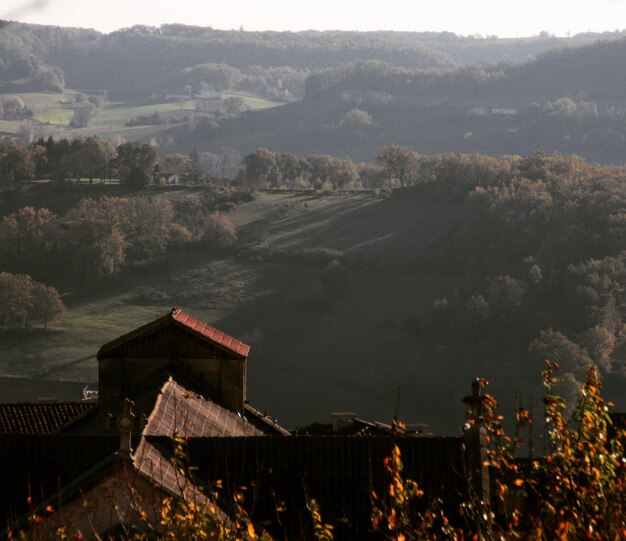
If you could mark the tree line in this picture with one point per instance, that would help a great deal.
(148, 59)
(134, 165)
(137, 165)
(556, 73)
(95, 241)
(396, 167)
(92, 158)
(266, 169)
(99, 237)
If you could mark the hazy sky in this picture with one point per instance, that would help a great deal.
(486, 17)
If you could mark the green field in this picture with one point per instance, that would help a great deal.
(253, 102)
(9, 126)
(47, 109)
(52, 115)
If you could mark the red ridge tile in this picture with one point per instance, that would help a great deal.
(211, 333)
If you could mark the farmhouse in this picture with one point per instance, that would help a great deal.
(98, 466)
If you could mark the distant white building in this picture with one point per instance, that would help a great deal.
(506, 112)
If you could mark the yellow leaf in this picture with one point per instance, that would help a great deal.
(251, 531)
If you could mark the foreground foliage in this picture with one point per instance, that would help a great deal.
(577, 490)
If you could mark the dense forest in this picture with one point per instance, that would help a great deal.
(139, 60)
(541, 243)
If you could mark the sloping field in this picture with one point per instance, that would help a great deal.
(390, 228)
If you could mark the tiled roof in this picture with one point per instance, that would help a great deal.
(157, 465)
(211, 332)
(179, 412)
(178, 317)
(338, 471)
(39, 418)
(151, 463)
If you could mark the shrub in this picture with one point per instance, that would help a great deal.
(24, 302)
(220, 231)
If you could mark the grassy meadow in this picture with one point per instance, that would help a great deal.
(52, 115)
(254, 103)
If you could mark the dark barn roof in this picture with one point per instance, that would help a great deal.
(337, 471)
(360, 427)
(186, 322)
(40, 418)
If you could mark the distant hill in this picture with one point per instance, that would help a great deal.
(139, 60)
(142, 59)
(596, 71)
(567, 100)
(416, 89)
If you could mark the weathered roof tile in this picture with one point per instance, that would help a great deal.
(179, 412)
(39, 418)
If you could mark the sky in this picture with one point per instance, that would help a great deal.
(504, 18)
